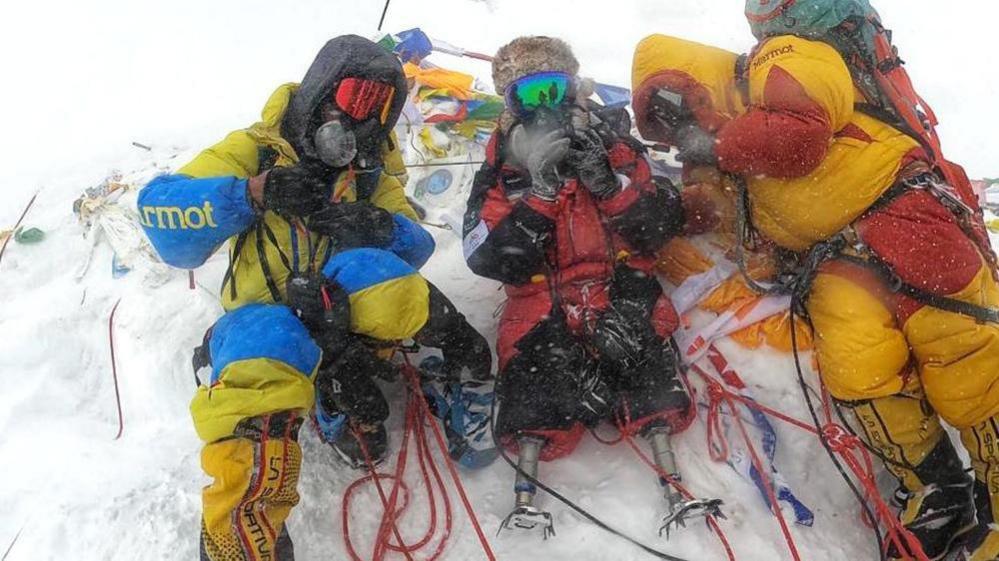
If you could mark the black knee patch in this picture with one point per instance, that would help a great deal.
(654, 386)
(539, 388)
(347, 385)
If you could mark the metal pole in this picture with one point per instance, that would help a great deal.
(529, 452)
(384, 11)
(662, 452)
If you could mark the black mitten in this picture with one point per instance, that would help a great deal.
(352, 225)
(323, 307)
(297, 190)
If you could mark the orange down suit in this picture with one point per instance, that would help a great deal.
(814, 167)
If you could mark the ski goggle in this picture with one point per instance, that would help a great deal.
(363, 99)
(544, 89)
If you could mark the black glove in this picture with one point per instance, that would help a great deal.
(297, 190)
(323, 307)
(466, 352)
(588, 158)
(695, 146)
(468, 356)
(541, 153)
(346, 383)
(350, 225)
(623, 334)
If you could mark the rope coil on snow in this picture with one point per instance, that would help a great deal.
(754, 457)
(417, 411)
(839, 443)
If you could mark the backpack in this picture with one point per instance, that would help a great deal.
(854, 28)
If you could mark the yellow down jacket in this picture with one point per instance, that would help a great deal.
(238, 155)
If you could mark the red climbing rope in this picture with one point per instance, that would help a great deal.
(414, 381)
(844, 444)
(417, 415)
(714, 390)
(392, 510)
(686, 494)
(607, 441)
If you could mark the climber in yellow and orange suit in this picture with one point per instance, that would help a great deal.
(816, 168)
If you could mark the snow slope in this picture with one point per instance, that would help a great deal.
(86, 79)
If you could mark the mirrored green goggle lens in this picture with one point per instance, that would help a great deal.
(546, 89)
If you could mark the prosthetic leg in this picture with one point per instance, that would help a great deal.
(525, 516)
(678, 508)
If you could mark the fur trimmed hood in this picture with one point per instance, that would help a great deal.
(529, 55)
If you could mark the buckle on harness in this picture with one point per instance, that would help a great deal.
(944, 192)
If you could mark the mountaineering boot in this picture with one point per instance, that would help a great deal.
(942, 511)
(982, 544)
(337, 429)
(465, 410)
(938, 506)
(679, 509)
(938, 516)
(525, 516)
(348, 445)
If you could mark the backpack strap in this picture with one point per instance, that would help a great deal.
(230, 277)
(982, 314)
(265, 266)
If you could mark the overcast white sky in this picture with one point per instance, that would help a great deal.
(82, 79)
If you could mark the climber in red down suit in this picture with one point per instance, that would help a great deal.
(565, 212)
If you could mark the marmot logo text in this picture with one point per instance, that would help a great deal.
(773, 54)
(172, 217)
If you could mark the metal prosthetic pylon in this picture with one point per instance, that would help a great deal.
(525, 516)
(678, 508)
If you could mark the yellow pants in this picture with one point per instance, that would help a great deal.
(254, 489)
(902, 377)
(248, 415)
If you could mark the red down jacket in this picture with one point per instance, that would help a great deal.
(568, 247)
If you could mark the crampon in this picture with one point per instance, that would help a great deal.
(529, 518)
(682, 511)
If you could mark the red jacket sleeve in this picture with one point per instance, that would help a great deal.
(801, 94)
(786, 138)
(506, 231)
(646, 213)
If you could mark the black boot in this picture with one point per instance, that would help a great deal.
(982, 544)
(352, 452)
(943, 511)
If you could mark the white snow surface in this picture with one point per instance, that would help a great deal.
(84, 79)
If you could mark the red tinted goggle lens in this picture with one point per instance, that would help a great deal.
(363, 99)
